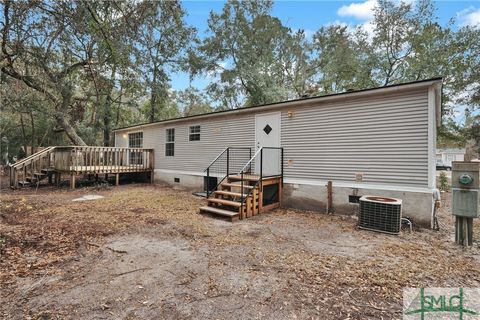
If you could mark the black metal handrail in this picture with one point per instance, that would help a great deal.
(225, 163)
(259, 154)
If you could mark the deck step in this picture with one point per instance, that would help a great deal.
(225, 202)
(218, 211)
(49, 170)
(24, 183)
(230, 193)
(234, 185)
(40, 174)
(31, 180)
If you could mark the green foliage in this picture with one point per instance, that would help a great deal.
(443, 181)
(451, 135)
(193, 102)
(166, 106)
(81, 68)
(253, 55)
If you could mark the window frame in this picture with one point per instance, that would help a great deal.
(136, 158)
(170, 142)
(193, 134)
(141, 139)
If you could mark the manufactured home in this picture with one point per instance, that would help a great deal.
(446, 156)
(378, 141)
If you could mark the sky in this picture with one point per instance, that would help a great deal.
(311, 15)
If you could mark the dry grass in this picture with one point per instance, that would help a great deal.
(45, 231)
(57, 230)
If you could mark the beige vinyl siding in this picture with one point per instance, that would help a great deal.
(215, 135)
(384, 138)
(120, 141)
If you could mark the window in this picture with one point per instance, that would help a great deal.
(170, 143)
(194, 133)
(135, 140)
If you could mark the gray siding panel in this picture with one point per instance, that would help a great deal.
(216, 135)
(385, 139)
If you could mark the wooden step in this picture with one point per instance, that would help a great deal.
(225, 202)
(247, 177)
(230, 193)
(31, 180)
(24, 183)
(40, 174)
(235, 185)
(218, 211)
(49, 170)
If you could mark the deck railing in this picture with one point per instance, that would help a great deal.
(81, 160)
(87, 159)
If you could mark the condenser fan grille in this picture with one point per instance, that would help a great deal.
(378, 216)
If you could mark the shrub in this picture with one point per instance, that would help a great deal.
(443, 181)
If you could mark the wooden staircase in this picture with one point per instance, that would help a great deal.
(241, 195)
(230, 202)
(33, 169)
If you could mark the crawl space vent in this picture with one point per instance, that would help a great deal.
(380, 214)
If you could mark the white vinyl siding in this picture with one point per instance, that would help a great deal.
(385, 139)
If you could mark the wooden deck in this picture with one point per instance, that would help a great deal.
(81, 160)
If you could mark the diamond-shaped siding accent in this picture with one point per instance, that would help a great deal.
(267, 129)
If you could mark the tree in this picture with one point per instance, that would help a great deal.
(193, 102)
(253, 55)
(398, 27)
(342, 59)
(167, 106)
(165, 44)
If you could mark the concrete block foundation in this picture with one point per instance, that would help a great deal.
(417, 205)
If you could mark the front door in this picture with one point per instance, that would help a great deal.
(267, 134)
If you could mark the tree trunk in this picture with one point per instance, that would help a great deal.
(107, 108)
(24, 136)
(470, 153)
(32, 121)
(106, 122)
(69, 130)
(153, 94)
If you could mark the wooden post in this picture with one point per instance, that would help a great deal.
(58, 177)
(464, 231)
(72, 181)
(329, 197)
(117, 179)
(280, 192)
(151, 164)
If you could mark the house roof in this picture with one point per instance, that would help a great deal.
(331, 97)
(451, 150)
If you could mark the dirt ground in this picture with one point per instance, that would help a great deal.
(144, 252)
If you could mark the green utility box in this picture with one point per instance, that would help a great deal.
(465, 187)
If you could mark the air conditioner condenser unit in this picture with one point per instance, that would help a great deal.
(380, 214)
